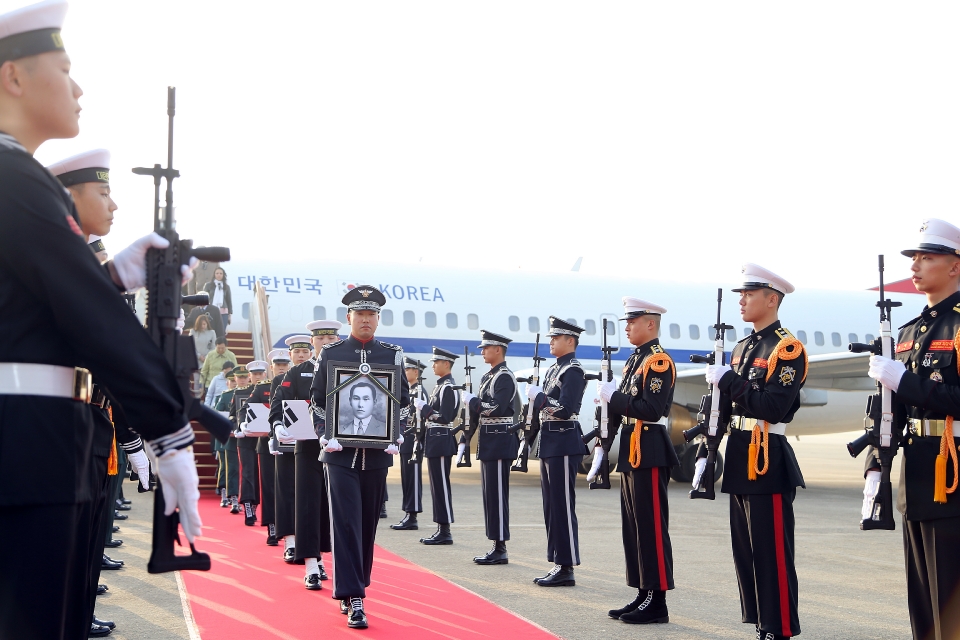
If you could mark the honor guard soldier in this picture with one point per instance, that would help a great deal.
(638, 407)
(228, 401)
(247, 447)
(560, 450)
(492, 412)
(56, 316)
(222, 403)
(439, 416)
(924, 377)
(262, 392)
(411, 477)
(294, 386)
(356, 477)
(312, 509)
(763, 380)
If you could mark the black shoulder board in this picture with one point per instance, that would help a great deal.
(575, 363)
(956, 307)
(332, 344)
(783, 333)
(391, 346)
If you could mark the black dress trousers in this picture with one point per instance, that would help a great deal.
(268, 489)
(646, 528)
(249, 470)
(495, 487)
(933, 577)
(355, 497)
(440, 490)
(411, 481)
(761, 530)
(232, 465)
(558, 482)
(313, 512)
(100, 482)
(285, 483)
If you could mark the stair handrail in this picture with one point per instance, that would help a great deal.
(260, 323)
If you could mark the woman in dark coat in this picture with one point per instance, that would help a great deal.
(220, 297)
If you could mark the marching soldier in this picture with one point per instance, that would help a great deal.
(641, 404)
(927, 387)
(313, 512)
(492, 412)
(439, 416)
(290, 388)
(411, 476)
(356, 477)
(221, 448)
(560, 450)
(262, 392)
(247, 447)
(763, 380)
(229, 400)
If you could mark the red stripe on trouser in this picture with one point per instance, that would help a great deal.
(781, 564)
(658, 527)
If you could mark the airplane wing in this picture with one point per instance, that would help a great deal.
(842, 371)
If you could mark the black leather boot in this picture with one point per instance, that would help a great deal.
(234, 505)
(616, 613)
(496, 555)
(383, 510)
(250, 515)
(559, 576)
(409, 523)
(652, 610)
(272, 535)
(440, 536)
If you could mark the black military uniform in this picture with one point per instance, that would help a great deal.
(925, 403)
(440, 416)
(57, 315)
(769, 369)
(411, 472)
(262, 392)
(356, 477)
(230, 467)
(492, 412)
(247, 452)
(560, 450)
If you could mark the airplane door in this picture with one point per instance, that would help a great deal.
(613, 329)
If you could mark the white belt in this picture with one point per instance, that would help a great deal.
(505, 420)
(430, 425)
(548, 417)
(30, 379)
(747, 424)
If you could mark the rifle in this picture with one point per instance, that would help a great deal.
(164, 300)
(417, 457)
(599, 476)
(710, 424)
(880, 412)
(531, 425)
(464, 460)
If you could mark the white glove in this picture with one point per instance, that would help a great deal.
(419, 404)
(597, 461)
(392, 450)
(870, 489)
(533, 391)
(239, 434)
(141, 464)
(333, 445)
(888, 372)
(467, 397)
(181, 488)
(400, 439)
(243, 428)
(461, 449)
(698, 471)
(181, 322)
(272, 448)
(131, 263)
(605, 389)
(716, 371)
(323, 441)
(283, 435)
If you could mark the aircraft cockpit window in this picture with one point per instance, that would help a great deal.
(852, 337)
(342, 315)
(675, 331)
(533, 323)
(473, 322)
(514, 323)
(409, 319)
(451, 321)
(835, 338)
(430, 319)
(590, 326)
(869, 338)
(386, 317)
(319, 313)
(694, 332)
(818, 338)
(802, 336)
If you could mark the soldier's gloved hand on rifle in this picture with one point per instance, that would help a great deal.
(467, 397)
(698, 472)
(870, 488)
(332, 446)
(130, 264)
(605, 389)
(419, 404)
(243, 428)
(283, 435)
(598, 455)
(461, 448)
(177, 471)
(888, 372)
(141, 464)
(272, 448)
(715, 372)
(533, 391)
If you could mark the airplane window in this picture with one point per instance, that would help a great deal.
(611, 328)
(409, 319)
(342, 314)
(451, 321)
(732, 335)
(386, 317)
(245, 311)
(514, 323)
(590, 326)
(835, 337)
(534, 324)
(430, 319)
(694, 332)
(818, 338)
(572, 321)
(802, 336)
(869, 338)
(319, 313)
(472, 321)
(746, 331)
(852, 337)
(675, 331)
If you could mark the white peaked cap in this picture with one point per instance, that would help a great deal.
(323, 327)
(257, 365)
(86, 166)
(937, 236)
(279, 355)
(756, 277)
(42, 15)
(635, 307)
(299, 339)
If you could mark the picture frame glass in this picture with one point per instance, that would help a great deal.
(362, 410)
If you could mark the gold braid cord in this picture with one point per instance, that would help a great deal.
(948, 448)
(659, 362)
(787, 349)
(113, 462)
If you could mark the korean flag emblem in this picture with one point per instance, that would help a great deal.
(787, 374)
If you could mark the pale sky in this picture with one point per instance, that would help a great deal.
(674, 138)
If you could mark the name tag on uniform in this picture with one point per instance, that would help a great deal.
(306, 375)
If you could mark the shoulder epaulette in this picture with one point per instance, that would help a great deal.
(783, 333)
(331, 344)
(789, 348)
(956, 307)
(575, 363)
(659, 360)
(391, 346)
(656, 349)
(265, 381)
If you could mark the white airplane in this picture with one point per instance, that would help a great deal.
(430, 305)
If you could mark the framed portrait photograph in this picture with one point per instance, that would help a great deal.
(363, 404)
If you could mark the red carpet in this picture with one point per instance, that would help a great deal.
(251, 593)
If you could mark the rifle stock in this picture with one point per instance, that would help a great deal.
(528, 426)
(601, 479)
(417, 457)
(464, 460)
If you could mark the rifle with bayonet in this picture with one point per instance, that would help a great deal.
(463, 458)
(417, 457)
(530, 426)
(711, 425)
(164, 300)
(599, 474)
(879, 414)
